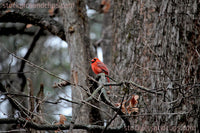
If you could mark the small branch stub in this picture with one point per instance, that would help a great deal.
(71, 29)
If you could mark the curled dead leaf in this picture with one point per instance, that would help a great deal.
(61, 121)
(133, 100)
(75, 77)
(123, 108)
(61, 84)
(108, 92)
(132, 110)
(29, 26)
(105, 4)
(131, 107)
(51, 11)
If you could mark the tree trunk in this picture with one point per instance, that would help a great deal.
(106, 36)
(77, 32)
(156, 44)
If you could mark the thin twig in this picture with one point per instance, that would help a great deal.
(106, 100)
(13, 101)
(23, 95)
(114, 115)
(36, 66)
(152, 114)
(28, 53)
(143, 88)
(80, 105)
(16, 72)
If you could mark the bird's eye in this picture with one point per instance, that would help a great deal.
(93, 60)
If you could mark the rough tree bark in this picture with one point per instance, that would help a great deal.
(106, 36)
(77, 33)
(156, 44)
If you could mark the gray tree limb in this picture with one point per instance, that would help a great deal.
(45, 22)
(29, 124)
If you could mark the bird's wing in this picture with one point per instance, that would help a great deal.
(103, 67)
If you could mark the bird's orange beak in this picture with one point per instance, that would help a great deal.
(92, 61)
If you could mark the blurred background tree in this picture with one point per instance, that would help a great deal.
(40, 47)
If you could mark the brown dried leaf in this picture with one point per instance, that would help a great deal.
(29, 26)
(51, 11)
(133, 100)
(7, 11)
(61, 84)
(132, 104)
(131, 108)
(105, 5)
(62, 119)
(75, 77)
(123, 108)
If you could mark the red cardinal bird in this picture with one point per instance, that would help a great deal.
(99, 67)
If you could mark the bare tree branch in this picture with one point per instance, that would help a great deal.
(13, 102)
(117, 110)
(31, 93)
(105, 99)
(30, 50)
(108, 124)
(80, 105)
(61, 127)
(45, 22)
(13, 29)
(36, 66)
(134, 84)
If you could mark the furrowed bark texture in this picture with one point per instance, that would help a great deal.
(156, 44)
(107, 35)
(76, 28)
